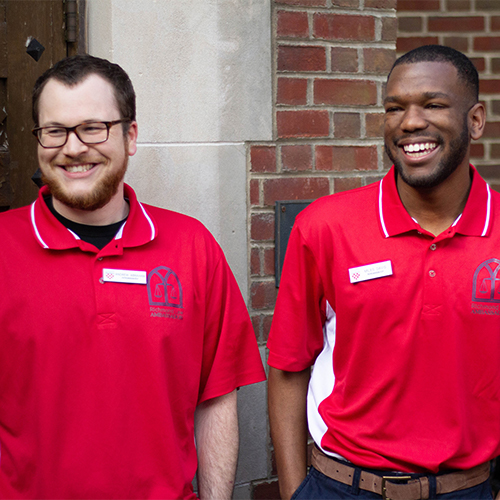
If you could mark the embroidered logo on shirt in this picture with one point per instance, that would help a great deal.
(165, 293)
(370, 271)
(486, 288)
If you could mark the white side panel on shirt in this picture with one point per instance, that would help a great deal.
(322, 380)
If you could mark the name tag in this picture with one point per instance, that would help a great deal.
(124, 276)
(370, 272)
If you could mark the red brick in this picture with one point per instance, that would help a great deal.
(303, 3)
(487, 43)
(379, 60)
(256, 323)
(295, 188)
(495, 151)
(478, 62)
(404, 44)
(457, 5)
(417, 5)
(324, 157)
(346, 184)
(410, 24)
(298, 58)
(492, 129)
(254, 192)
(380, 4)
(255, 261)
(263, 295)
(486, 5)
(263, 158)
(345, 92)
(389, 29)
(292, 91)
(292, 24)
(268, 490)
(495, 107)
(296, 158)
(457, 42)
(308, 123)
(347, 125)
(269, 261)
(344, 60)
(495, 65)
(346, 158)
(343, 27)
(266, 326)
(477, 150)
(495, 23)
(460, 24)
(489, 86)
(262, 227)
(374, 124)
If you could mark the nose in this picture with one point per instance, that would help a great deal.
(74, 146)
(413, 119)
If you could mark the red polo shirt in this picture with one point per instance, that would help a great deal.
(403, 328)
(100, 376)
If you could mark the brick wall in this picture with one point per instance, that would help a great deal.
(473, 27)
(331, 59)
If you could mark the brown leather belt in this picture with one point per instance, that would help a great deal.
(399, 487)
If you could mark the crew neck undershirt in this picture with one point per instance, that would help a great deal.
(99, 236)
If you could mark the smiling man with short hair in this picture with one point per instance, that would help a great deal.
(391, 292)
(123, 336)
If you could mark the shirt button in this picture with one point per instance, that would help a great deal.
(99, 258)
(433, 246)
(432, 273)
(101, 281)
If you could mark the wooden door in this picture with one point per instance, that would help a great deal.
(52, 26)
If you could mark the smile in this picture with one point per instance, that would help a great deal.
(79, 168)
(419, 149)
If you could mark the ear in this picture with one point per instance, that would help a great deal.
(132, 138)
(477, 120)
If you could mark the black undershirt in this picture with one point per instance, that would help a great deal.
(99, 236)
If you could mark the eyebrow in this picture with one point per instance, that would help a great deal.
(426, 95)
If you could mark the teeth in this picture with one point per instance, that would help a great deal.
(78, 168)
(420, 149)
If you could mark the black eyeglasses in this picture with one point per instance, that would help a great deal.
(88, 133)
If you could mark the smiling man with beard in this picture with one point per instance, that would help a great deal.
(123, 334)
(391, 292)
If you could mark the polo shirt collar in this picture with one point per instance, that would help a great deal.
(138, 229)
(476, 219)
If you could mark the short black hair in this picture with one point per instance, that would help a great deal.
(440, 53)
(74, 69)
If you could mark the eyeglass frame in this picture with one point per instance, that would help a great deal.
(73, 129)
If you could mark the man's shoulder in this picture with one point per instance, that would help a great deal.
(14, 216)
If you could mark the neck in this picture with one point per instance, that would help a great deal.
(114, 211)
(435, 209)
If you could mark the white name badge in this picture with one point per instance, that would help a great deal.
(370, 272)
(124, 276)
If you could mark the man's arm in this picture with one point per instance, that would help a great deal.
(216, 432)
(288, 419)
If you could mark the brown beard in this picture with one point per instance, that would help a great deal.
(100, 197)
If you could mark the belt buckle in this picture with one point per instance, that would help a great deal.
(391, 478)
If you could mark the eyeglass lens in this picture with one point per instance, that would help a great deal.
(88, 133)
